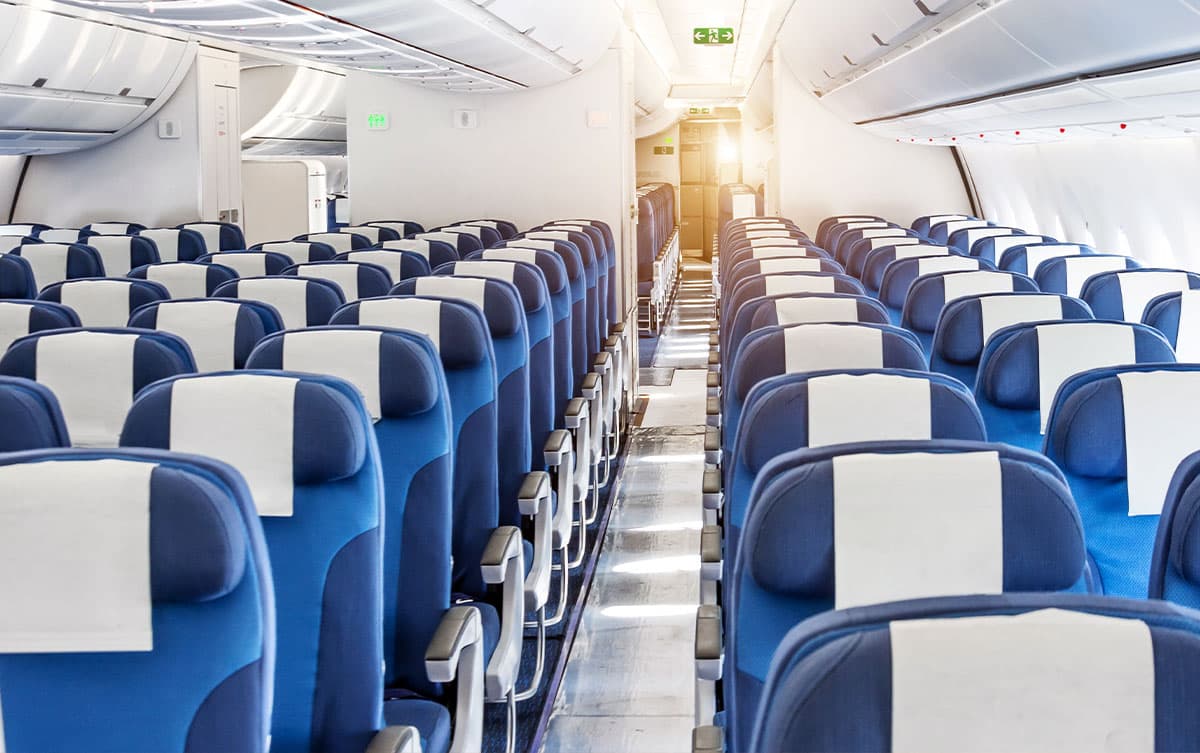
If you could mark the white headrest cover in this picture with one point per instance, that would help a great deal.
(392, 261)
(341, 242)
(344, 275)
(180, 280)
(1035, 257)
(14, 322)
(248, 264)
(1042, 681)
(49, 262)
(864, 224)
(914, 251)
(817, 347)
(546, 235)
(246, 420)
(95, 399)
(885, 232)
(789, 264)
(415, 245)
(1139, 288)
(916, 525)
(371, 233)
(867, 407)
(60, 235)
(396, 226)
(167, 241)
(297, 251)
(523, 255)
(459, 288)
(537, 244)
(99, 303)
(472, 230)
(893, 240)
(775, 241)
(208, 327)
(1187, 343)
(975, 235)
(1005, 242)
(776, 252)
(350, 355)
(784, 284)
(485, 223)
(1080, 268)
(929, 265)
(75, 557)
(1067, 349)
(414, 314)
(953, 226)
(496, 270)
(1162, 427)
(964, 284)
(815, 310)
(745, 205)
(444, 236)
(211, 234)
(287, 294)
(1000, 311)
(109, 228)
(940, 218)
(114, 253)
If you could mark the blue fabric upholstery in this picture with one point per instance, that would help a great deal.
(400, 265)
(901, 277)
(923, 224)
(799, 263)
(1008, 388)
(488, 236)
(185, 274)
(341, 240)
(876, 263)
(463, 243)
(927, 298)
(249, 263)
(732, 299)
(436, 253)
(764, 312)
(431, 719)
(504, 227)
(370, 280)
(1016, 259)
(595, 286)
(843, 236)
(321, 297)
(1051, 276)
(609, 249)
(80, 260)
(1163, 314)
(830, 686)
(589, 243)
(1103, 292)
(327, 557)
(138, 293)
(961, 239)
(1086, 437)
(121, 253)
(16, 278)
(1174, 568)
(229, 235)
(40, 316)
(252, 321)
(826, 226)
(206, 685)
(175, 244)
(30, 416)
(939, 232)
(785, 568)
(403, 227)
(299, 251)
(958, 340)
(993, 249)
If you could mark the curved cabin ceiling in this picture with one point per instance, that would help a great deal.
(456, 45)
(293, 110)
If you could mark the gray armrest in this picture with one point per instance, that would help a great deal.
(712, 445)
(577, 410)
(602, 362)
(612, 341)
(535, 489)
(714, 326)
(618, 328)
(710, 553)
(556, 448)
(503, 562)
(712, 489)
(712, 409)
(456, 653)
(708, 739)
(590, 387)
(714, 358)
(396, 740)
(710, 644)
(714, 379)
(504, 545)
(714, 339)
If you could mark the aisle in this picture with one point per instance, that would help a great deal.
(628, 684)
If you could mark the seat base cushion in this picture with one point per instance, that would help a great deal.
(431, 719)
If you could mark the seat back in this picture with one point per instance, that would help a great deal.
(339, 242)
(877, 262)
(986, 673)
(305, 446)
(923, 224)
(114, 228)
(355, 279)
(850, 239)
(436, 253)
(800, 308)
(16, 277)
(1067, 274)
(939, 232)
(374, 233)
(104, 303)
(301, 302)
(20, 318)
(174, 244)
(899, 276)
(63, 235)
(1120, 434)
(588, 245)
(560, 242)
(964, 240)
(250, 263)
(994, 247)
(55, 262)
(303, 251)
(1125, 295)
(120, 362)
(31, 417)
(23, 230)
(488, 236)
(220, 332)
(1177, 316)
(121, 253)
(400, 265)
(779, 265)
(1173, 570)
(462, 241)
(184, 279)
(504, 227)
(218, 236)
(860, 250)
(403, 227)
(1026, 258)
(827, 224)
(929, 294)
(784, 283)
(144, 602)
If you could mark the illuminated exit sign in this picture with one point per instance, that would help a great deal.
(378, 121)
(712, 35)
(699, 111)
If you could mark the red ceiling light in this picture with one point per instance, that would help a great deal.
(1062, 130)
(1124, 126)
(1017, 132)
(954, 138)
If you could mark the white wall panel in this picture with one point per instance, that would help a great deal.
(1128, 196)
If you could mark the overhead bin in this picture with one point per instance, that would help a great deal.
(293, 110)
(68, 83)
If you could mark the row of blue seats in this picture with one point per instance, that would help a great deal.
(395, 447)
(658, 251)
(849, 475)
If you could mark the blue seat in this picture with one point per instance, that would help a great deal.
(785, 283)
(120, 362)
(850, 231)
(250, 263)
(610, 246)
(55, 262)
(772, 248)
(981, 673)
(826, 225)
(929, 295)
(1125, 295)
(462, 242)
(799, 308)
(114, 228)
(30, 416)
(597, 306)
(780, 265)
(20, 318)
(400, 265)
(23, 229)
(604, 249)
(403, 227)
(436, 253)
(220, 332)
(355, 279)
(305, 445)
(340, 242)
(1174, 315)
(554, 241)
(104, 302)
(923, 225)
(218, 236)
(939, 232)
(1120, 434)
(859, 251)
(504, 227)
(965, 239)
(1067, 274)
(853, 525)
(300, 251)
(374, 233)
(301, 302)
(743, 231)
(184, 279)
(966, 324)
(995, 247)
(174, 244)
(64, 235)
(899, 276)
(1024, 366)
(16, 278)
(488, 236)
(122, 253)
(1027, 257)
(876, 264)
(170, 651)
(849, 240)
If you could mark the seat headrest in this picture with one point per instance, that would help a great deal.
(1026, 254)
(553, 268)
(569, 259)
(900, 276)
(218, 236)
(791, 411)
(929, 294)
(816, 308)
(400, 265)
(1125, 294)
(186, 279)
(175, 244)
(353, 279)
(966, 324)
(528, 279)
(1067, 274)
(221, 332)
(55, 262)
(1021, 514)
(397, 372)
(105, 302)
(498, 300)
(30, 416)
(301, 302)
(20, 318)
(340, 242)
(457, 330)
(249, 263)
(435, 252)
(299, 251)
(16, 277)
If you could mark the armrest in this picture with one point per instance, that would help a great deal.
(396, 740)
(714, 379)
(714, 358)
(710, 553)
(708, 739)
(503, 562)
(535, 489)
(456, 653)
(602, 362)
(590, 388)
(557, 447)
(612, 341)
(577, 410)
(712, 445)
(618, 328)
(710, 645)
(713, 339)
(712, 489)
(712, 410)
(504, 545)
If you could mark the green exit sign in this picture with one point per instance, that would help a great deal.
(712, 35)
(378, 121)
(699, 111)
